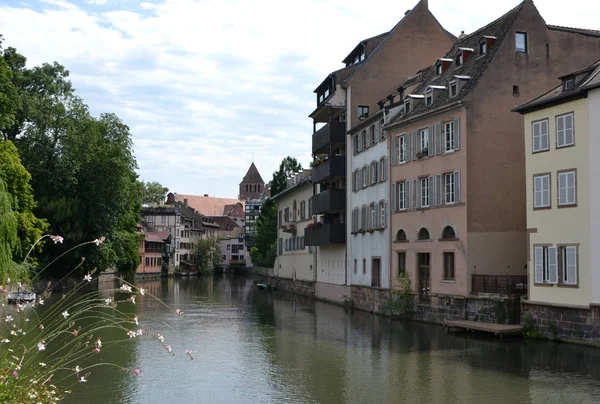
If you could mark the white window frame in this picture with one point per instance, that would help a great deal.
(541, 187)
(428, 97)
(372, 216)
(459, 60)
(365, 177)
(545, 265)
(566, 201)
(425, 202)
(423, 139)
(402, 197)
(383, 215)
(540, 136)
(449, 141)
(569, 263)
(482, 48)
(402, 152)
(383, 169)
(561, 120)
(451, 85)
(449, 189)
(374, 173)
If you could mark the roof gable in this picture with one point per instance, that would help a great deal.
(252, 176)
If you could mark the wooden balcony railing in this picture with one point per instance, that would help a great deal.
(499, 284)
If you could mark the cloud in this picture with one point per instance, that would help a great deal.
(208, 85)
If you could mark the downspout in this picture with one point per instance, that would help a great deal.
(389, 227)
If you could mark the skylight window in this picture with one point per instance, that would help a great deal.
(568, 84)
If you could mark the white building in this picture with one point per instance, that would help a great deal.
(368, 211)
(295, 260)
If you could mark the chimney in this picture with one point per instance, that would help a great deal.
(206, 195)
(425, 4)
(185, 201)
(406, 13)
(462, 35)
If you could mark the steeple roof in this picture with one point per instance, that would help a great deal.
(252, 176)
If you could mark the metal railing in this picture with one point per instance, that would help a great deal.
(499, 284)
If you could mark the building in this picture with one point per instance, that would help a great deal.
(345, 99)
(295, 260)
(229, 226)
(152, 250)
(209, 205)
(252, 185)
(253, 208)
(457, 158)
(235, 253)
(562, 134)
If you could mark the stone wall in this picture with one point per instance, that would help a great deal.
(368, 298)
(304, 288)
(570, 324)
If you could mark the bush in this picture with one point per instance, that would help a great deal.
(401, 302)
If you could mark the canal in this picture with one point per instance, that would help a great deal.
(252, 346)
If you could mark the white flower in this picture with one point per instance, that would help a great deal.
(142, 291)
(135, 319)
(161, 338)
(77, 369)
(9, 319)
(100, 241)
(139, 332)
(6, 341)
(41, 326)
(7, 280)
(82, 380)
(26, 320)
(132, 299)
(125, 288)
(65, 314)
(88, 278)
(99, 343)
(109, 300)
(41, 302)
(42, 364)
(13, 332)
(131, 334)
(41, 346)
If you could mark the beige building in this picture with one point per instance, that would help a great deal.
(294, 258)
(562, 131)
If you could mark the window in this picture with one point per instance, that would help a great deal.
(355, 143)
(163, 219)
(363, 136)
(425, 202)
(448, 266)
(448, 233)
(521, 42)
(424, 140)
(402, 195)
(302, 210)
(407, 105)
(483, 48)
(539, 130)
(448, 137)
(564, 130)
(374, 172)
(372, 217)
(383, 169)
(401, 235)
(355, 183)
(428, 97)
(365, 177)
(546, 264)
(423, 234)
(438, 69)
(364, 266)
(568, 84)
(459, 59)
(355, 266)
(450, 188)
(310, 208)
(373, 137)
(286, 215)
(453, 88)
(382, 215)
(360, 142)
(541, 191)
(401, 263)
(567, 188)
(568, 265)
(402, 150)
(363, 111)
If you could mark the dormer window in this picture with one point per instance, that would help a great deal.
(453, 88)
(568, 84)
(459, 59)
(482, 48)
(438, 69)
(428, 97)
(407, 105)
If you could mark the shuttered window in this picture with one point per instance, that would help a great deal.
(546, 264)
(567, 188)
(425, 192)
(568, 258)
(383, 214)
(541, 140)
(565, 135)
(402, 195)
(449, 137)
(374, 173)
(402, 150)
(541, 191)
(365, 177)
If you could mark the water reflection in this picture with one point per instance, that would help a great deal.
(253, 346)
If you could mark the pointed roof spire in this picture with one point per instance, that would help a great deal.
(253, 176)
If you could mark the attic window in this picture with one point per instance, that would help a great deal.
(459, 59)
(438, 69)
(407, 106)
(568, 84)
(428, 97)
(453, 89)
(483, 48)
(521, 42)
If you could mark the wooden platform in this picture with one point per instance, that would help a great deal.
(496, 329)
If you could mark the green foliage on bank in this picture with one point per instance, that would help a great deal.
(401, 302)
(264, 251)
(207, 255)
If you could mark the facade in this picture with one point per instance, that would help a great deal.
(235, 253)
(209, 205)
(563, 202)
(345, 99)
(457, 157)
(153, 250)
(253, 208)
(295, 260)
(368, 261)
(252, 185)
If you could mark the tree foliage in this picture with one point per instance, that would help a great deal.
(264, 251)
(207, 255)
(8, 230)
(288, 167)
(154, 192)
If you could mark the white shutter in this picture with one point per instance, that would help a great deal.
(430, 141)
(569, 129)
(544, 136)
(571, 189)
(553, 265)
(385, 215)
(354, 181)
(546, 190)
(539, 264)
(408, 147)
(407, 194)
(360, 144)
(385, 169)
(438, 189)
(535, 130)
(394, 198)
(395, 150)
(457, 134)
(571, 269)
(457, 186)
(415, 141)
(377, 129)
(430, 191)
(439, 139)
(562, 189)
(415, 194)
(560, 131)
(537, 191)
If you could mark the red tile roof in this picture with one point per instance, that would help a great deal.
(157, 236)
(207, 205)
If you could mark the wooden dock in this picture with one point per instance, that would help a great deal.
(496, 329)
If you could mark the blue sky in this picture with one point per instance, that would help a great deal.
(208, 85)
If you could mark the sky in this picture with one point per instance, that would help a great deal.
(208, 86)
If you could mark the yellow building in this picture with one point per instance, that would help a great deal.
(563, 214)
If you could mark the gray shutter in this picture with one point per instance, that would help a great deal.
(438, 189)
(407, 194)
(553, 265)
(359, 180)
(394, 206)
(430, 186)
(457, 186)
(415, 148)
(539, 264)
(394, 150)
(571, 269)
(416, 196)
(408, 146)
(354, 181)
(438, 139)
(377, 132)
(457, 134)
(431, 141)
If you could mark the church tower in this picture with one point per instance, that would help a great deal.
(252, 186)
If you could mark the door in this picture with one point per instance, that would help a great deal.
(423, 262)
(376, 272)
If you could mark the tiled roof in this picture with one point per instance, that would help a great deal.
(226, 222)
(473, 67)
(207, 205)
(252, 176)
(585, 79)
(157, 236)
(373, 41)
(582, 31)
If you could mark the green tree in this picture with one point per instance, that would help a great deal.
(17, 180)
(154, 192)
(264, 251)
(288, 166)
(8, 231)
(207, 255)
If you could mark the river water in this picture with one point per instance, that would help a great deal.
(254, 346)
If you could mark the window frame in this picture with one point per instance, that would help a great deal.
(546, 276)
(428, 97)
(365, 176)
(568, 204)
(383, 169)
(424, 192)
(445, 276)
(563, 265)
(401, 268)
(453, 84)
(401, 190)
(566, 86)
(563, 116)
(445, 184)
(453, 140)
(526, 44)
(549, 205)
(373, 172)
(539, 123)
(459, 59)
(482, 48)
(421, 137)
(362, 110)
(382, 224)
(402, 152)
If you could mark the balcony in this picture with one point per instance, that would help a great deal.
(237, 262)
(335, 166)
(325, 234)
(499, 284)
(288, 227)
(333, 132)
(332, 200)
